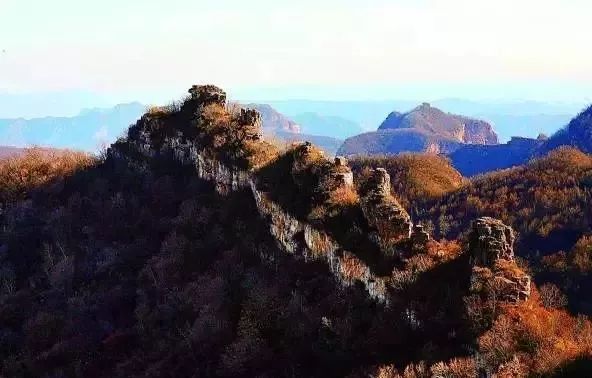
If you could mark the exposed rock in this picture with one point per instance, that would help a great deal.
(342, 173)
(304, 241)
(495, 273)
(340, 161)
(490, 241)
(419, 236)
(384, 213)
(208, 94)
(432, 120)
(380, 183)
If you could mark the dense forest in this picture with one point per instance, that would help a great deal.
(546, 201)
(143, 263)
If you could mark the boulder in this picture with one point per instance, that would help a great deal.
(419, 236)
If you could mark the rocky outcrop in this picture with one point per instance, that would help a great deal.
(207, 94)
(495, 273)
(491, 240)
(419, 236)
(342, 174)
(391, 223)
(302, 240)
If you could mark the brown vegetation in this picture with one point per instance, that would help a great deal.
(21, 174)
(134, 266)
(414, 177)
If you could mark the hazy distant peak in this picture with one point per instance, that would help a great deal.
(434, 121)
(274, 121)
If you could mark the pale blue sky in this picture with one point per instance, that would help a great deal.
(537, 49)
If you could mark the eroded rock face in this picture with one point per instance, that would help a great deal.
(250, 117)
(490, 241)
(495, 273)
(384, 213)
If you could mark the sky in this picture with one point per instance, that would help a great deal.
(321, 49)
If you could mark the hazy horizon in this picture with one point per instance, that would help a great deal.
(269, 50)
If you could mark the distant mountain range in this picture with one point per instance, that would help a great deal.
(92, 128)
(49, 104)
(470, 144)
(87, 131)
(274, 121)
(325, 123)
(509, 118)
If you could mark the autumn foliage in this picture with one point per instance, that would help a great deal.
(132, 265)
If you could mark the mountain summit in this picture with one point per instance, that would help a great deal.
(423, 129)
(434, 121)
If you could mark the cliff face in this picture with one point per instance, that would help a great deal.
(387, 225)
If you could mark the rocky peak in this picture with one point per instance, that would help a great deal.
(207, 94)
(436, 123)
(495, 273)
(383, 212)
(252, 120)
(340, 161)
(380, 183)
(343, 174)
(490, 241)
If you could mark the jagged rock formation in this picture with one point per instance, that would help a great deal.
(315, 176)
(495, 273)
(384, 213)
(207, 94)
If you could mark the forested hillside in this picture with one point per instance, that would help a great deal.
(547, 201)
(194, 247)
